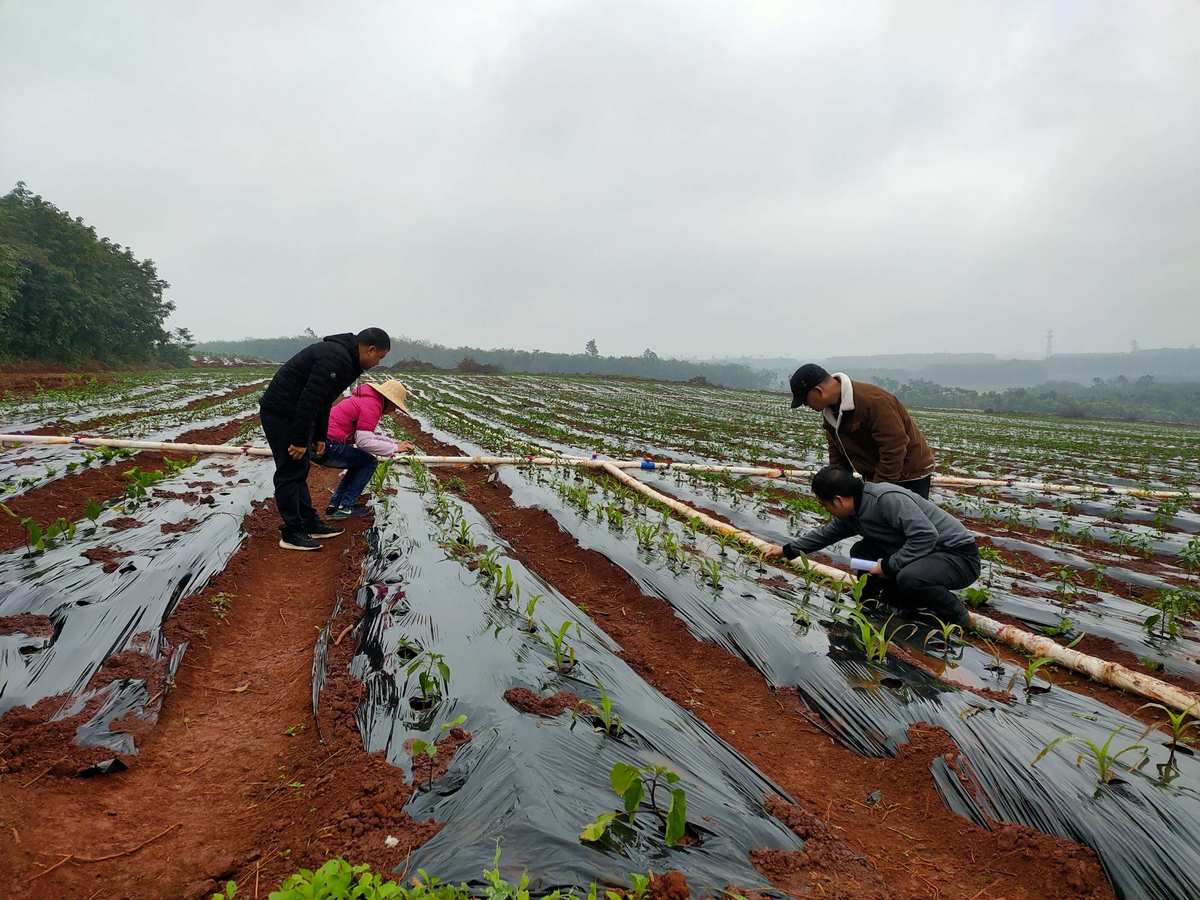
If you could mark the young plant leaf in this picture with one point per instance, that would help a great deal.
(676, 817)
(595, 829)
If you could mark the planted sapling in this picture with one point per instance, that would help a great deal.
(530, 607)
(610, 722)
(92, 512)
(428, 750)
(710, 569)
(433, 676)
(945, 632)
(1030, 672)
(976, 597)
(633, 785)
(873, 641)
(564, 653)
(1178, 723)
(1101, 755)
(646, 534)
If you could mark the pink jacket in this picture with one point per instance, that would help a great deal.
(353, 420)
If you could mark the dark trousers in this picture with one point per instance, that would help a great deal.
(291, 475)
(359, 466)
(919, 486)
(927, 583)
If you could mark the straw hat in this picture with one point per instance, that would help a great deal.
(394, 391)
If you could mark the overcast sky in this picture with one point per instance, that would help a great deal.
(770, 178)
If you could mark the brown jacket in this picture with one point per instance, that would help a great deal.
(877, 437)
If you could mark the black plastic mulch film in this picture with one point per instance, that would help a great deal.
(95, 614)
(1146, 832)
(533, 782)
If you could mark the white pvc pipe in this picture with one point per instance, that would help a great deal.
(644, 464)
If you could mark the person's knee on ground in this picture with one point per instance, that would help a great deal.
(915, 591)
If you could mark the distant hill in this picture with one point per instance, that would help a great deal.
(986, 371)
(418, 353)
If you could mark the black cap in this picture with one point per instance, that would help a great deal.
(804, 379)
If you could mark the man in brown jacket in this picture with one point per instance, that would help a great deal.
(867, 429)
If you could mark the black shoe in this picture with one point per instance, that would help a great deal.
(296, 540)
(320, 530)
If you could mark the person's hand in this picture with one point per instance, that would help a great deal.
(774, 551)
(319, 448)
(876, 569)
(405, 447)
(296, 452)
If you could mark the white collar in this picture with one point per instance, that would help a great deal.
(847, 402)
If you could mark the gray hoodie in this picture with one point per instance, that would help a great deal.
(905, 526)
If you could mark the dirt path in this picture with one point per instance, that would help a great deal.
(68, 496)
(907, 845)
(233, 781)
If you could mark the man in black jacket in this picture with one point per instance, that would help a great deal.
(294, 411)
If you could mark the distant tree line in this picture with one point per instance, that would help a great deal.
(423, 354)
(67, 295)
(1141, 399)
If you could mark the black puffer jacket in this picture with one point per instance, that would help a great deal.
(306, 386)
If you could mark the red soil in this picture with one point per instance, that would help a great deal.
(235, 781)
(427, 769)
(69, 495)
(177, 527)
(527, 701)
(108, 557)
(19, 379)
(922, 848)
(27, 623)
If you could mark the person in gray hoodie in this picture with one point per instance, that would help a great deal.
(922, 553)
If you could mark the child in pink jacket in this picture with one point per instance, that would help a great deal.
(353, 444)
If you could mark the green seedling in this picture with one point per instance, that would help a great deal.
(1029, 673)
(610, 721)
(873, 641)
(945, 631)
(1190, 557)
(503, 586)
(433, 674)
(530, 607)
(463, 538)
(646, 534)
(564, 653)
(976, 597)
(92, 512)
(1101, 755)
(1061, 629)
(420, 475)
(710, 569)
(220, 604)
(456, 486)
(1177, 722)
(725, 540)
(35, 538)
(1172, 604)
(670, 546)
(428, 750)
(633, 785)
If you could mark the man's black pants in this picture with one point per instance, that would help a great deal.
(291, 476)
(927, 583)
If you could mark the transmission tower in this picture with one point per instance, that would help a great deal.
(1049, 343)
